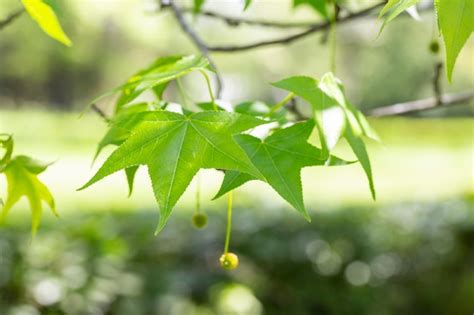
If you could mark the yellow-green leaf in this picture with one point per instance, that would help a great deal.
(44, 15)
(23, 182)
(456, 23)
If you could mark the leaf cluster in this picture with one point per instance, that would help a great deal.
(175, 145)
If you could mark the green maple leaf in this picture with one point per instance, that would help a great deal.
(119, 130)
(335, 116)
(318, 5)
(174, 147)
(456, 23)
(394, 8)
(261, 109)
(156, 77)
(280, 158)
(22, 180)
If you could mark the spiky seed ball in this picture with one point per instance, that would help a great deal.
(199, 220)
(434, 47)
(229, 261)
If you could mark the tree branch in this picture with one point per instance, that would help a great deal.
(100, 112)
(289, 39)
(10, 18)
(422, 105)
(197, 41)
(234, 21)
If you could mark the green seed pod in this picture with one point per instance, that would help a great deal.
(229, 261)
(199, 220)
(434, 46)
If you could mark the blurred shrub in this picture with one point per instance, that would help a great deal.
(404, 259)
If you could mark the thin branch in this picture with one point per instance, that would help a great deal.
(9, 19)
(197, 41)
(100, 112)
(422, 105)
(234, 21)
(289, 39)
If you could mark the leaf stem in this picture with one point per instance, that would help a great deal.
(209, 88)
(229, 223)
(279, 105)
(198, 193)
(332, 39)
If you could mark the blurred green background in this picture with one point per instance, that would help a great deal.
(410, 252)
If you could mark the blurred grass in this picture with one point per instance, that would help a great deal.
(389, 260)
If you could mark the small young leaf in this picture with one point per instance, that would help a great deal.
(280, 158)
(21, 182)
(394, 8)
(174, 147)
(156, 77)
(456, 23)
(44, 15)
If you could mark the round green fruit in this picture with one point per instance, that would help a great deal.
(229, 261)
(199, 220)
(434, 47)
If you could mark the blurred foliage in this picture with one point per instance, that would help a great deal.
(112, 41)
(410, 258)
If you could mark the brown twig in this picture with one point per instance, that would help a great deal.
(100, 112)
(234, 21)
(197, 41)
(289, 39)
(10, 18)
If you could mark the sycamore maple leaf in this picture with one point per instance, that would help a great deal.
(22, 180)
(280, 158)
(174, 147)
